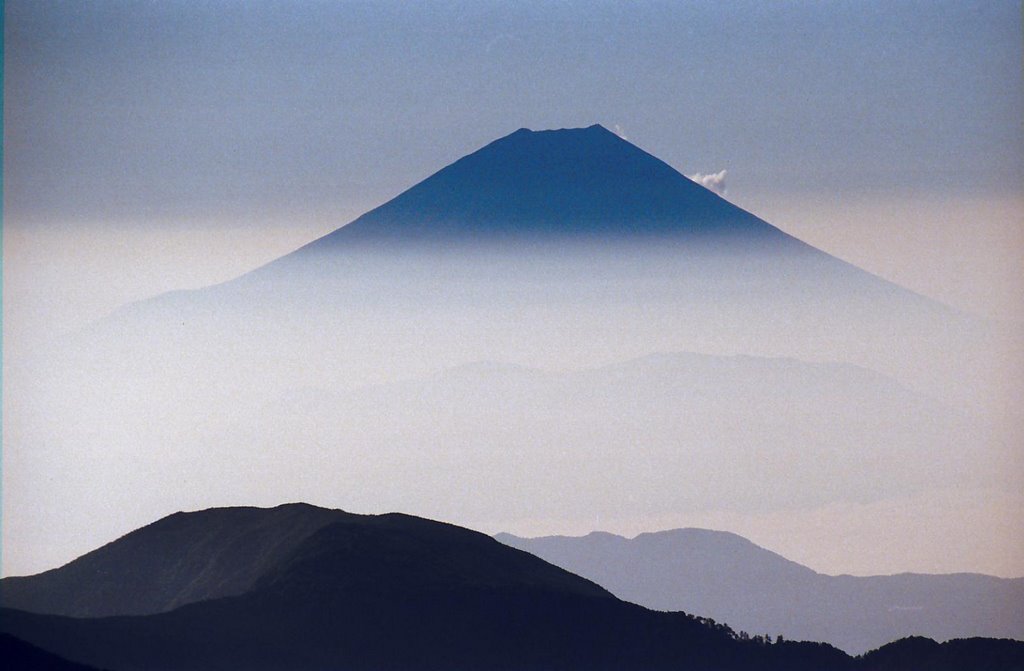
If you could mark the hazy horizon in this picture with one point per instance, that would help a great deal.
(157, 148)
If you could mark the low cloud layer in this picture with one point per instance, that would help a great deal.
(714, 181)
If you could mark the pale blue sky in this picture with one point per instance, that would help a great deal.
(131, 111)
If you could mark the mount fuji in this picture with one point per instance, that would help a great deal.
(545, 238)
(585, 196)
(555, 251)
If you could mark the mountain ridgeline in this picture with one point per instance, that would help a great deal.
(555, 250)
(319, 589)
(728, 578)
(354, 592)
(177, 560)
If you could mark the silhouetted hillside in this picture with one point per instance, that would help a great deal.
(222, 552)
(174, 561)
(923, 654)
(399, 592)
(395, 592)
(728, 578)
(17, 655)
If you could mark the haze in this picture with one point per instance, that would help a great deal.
(153, 147)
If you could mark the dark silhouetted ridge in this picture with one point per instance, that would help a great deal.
(406, 553)
(916, 653)
(223, 552)
(179, 559)
(390, 592)
(17, 655)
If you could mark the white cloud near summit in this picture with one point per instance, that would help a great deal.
(714, 181)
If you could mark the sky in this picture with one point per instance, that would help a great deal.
(884, 132)
(153, 146)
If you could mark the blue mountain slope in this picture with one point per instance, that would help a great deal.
(560, 216)
(558, 183)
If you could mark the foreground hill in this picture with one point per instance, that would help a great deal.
(923, 654)
(376, 592)
(730, 579)
(380, 592)
(18, 655)
(177, 560)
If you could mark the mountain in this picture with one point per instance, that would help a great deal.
(494, 218)
(360, 592)
(556, 184)
(177, 560)
(615, 252)
(555, 250)
(329, 589)
(577, 229)
(916, 652)
(728, 578)
(21, 656)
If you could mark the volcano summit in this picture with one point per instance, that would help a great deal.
(545, 238)
(563, 190)
(580, 182)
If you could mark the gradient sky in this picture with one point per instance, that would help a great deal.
(280, 121)
(136, 110)
(151, 146)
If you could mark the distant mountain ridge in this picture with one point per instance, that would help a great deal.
(18, 655)
(730, 579)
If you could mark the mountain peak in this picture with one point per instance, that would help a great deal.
(568, 182)
(592, 128)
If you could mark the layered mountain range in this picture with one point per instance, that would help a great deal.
(298, 587)
(572, 258)
(565, 250)
(303, 588)
(728, 578)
